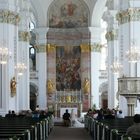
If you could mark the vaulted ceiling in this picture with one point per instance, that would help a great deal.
(40, 10)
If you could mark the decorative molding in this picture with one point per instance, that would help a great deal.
(131, 14)
(96, 47)
(40, 48)
(51, 48)
(112, 35)
(9, 17)
(24, 36)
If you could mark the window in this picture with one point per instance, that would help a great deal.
(32, 55)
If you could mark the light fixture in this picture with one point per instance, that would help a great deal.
(4, 55)
(4, 51)
(116, 67)
(133, 54)
(20, 68)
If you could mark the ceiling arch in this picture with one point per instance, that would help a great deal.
(40, 8)
(98, 11)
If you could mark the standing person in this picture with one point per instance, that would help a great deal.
(134, 130)
(66, 118)
(73, 117)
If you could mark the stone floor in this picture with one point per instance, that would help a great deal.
(75, 132)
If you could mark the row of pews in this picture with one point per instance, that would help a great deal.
(109, 129)
(25, 128)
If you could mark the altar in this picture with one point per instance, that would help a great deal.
(68, 100)
(63, 110)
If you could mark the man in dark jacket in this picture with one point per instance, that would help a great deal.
(66, 118)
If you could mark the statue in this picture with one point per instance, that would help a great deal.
(13, 84)
(50, 86)
(86, 86)
(68, 99)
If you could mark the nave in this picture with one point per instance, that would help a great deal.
(69, 133)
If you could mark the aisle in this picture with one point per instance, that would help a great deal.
(69, 133)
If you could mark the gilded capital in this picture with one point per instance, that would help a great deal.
(24, 36)
(112, 35)
(9, 17)
(85, 48)
(96, 47)
(51, 48)
(131, 14)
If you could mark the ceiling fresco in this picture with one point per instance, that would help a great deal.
(68, 14)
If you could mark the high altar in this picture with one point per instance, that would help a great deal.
(68, 82)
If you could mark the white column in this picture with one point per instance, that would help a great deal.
(128, 18)
(95, 64)
(113, 55)
(41, 66)
(8, 36)
(23, 57)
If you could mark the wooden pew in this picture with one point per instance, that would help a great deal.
(109, 129)
(36, 129)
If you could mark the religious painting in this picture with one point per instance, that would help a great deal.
(68, 74)
(68, 14)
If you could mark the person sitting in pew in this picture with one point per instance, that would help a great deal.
(134, 130)
(109, 115)
(8, 115)
(13, 114)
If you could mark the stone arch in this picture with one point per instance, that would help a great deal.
(97, 14)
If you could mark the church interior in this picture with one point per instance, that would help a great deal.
(69, 54)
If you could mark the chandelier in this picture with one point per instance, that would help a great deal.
(133, 54)
(116, 67)
(20, 68)
(4, 55)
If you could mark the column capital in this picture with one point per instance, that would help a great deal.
(112, 35)
(128, 15)
(95, 34)
(41, 35)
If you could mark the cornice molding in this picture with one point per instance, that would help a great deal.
(128, 15)
(9, 17)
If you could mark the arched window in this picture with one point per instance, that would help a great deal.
(32, 55)
(31, 26)
(32, 50)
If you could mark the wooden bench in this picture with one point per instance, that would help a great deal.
(24, 128)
